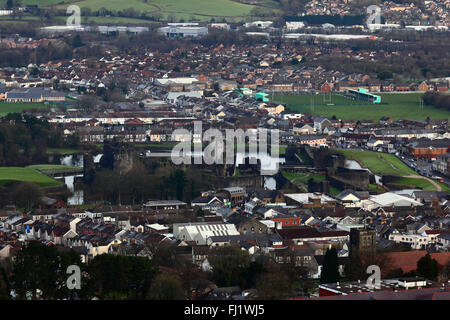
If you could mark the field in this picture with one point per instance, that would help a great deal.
(420, 183)
(416, 183)
(202, 10)
(379, 163)
(8, 174)
(399, 106)
(54, 168)
(389, 164)
(300, 178)
(9, 107)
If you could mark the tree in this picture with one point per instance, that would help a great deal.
(107, 159)
(87, 102)
(166, 287)
(26, 194)
(77, 42)
(118, 277)
(179, 181)
(354, 269)
(200, 212)
(36, 268)
(427, 267)
(384, 75)
(273, 285)
(4, 290)
(228, 263)
(66, 259)
(330, 269)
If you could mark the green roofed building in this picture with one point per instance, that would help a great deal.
(363, 95)
(262, 96)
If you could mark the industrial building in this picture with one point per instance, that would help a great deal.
(182, 32)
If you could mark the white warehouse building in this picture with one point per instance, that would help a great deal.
(182, 32)
(200, 232)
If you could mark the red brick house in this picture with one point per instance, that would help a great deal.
(325, 87)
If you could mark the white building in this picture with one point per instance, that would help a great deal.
(182, 32)
(179, 80)
(294, 25)
(416, 241)
(219, 26)
(388, 199)
(259, 24)
(200, 232)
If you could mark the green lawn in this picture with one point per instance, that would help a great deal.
(8, 174)
(202, 10)
(51, 168)
(399, 106)
(443, 186)
(335, 191)
(415, 183)
(388, 164)
(376, 188)
(421, 183)
(302, 178)
(10, 107)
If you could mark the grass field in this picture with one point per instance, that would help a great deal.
(49, 168)
(415, 183)
(9, 107)
(379, 163)
(302, 178)
(202, 10)
(399, 106)
(389, 164)
(8, 174)
(375, 188)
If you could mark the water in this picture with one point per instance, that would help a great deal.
(270, 183)
(76, 160)
(72, 160)
(77, 196)
(98, 157)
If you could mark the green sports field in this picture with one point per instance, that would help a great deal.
(9, 107)
(399, 106)
(8, 174)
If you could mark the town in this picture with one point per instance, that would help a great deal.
(91, 116)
